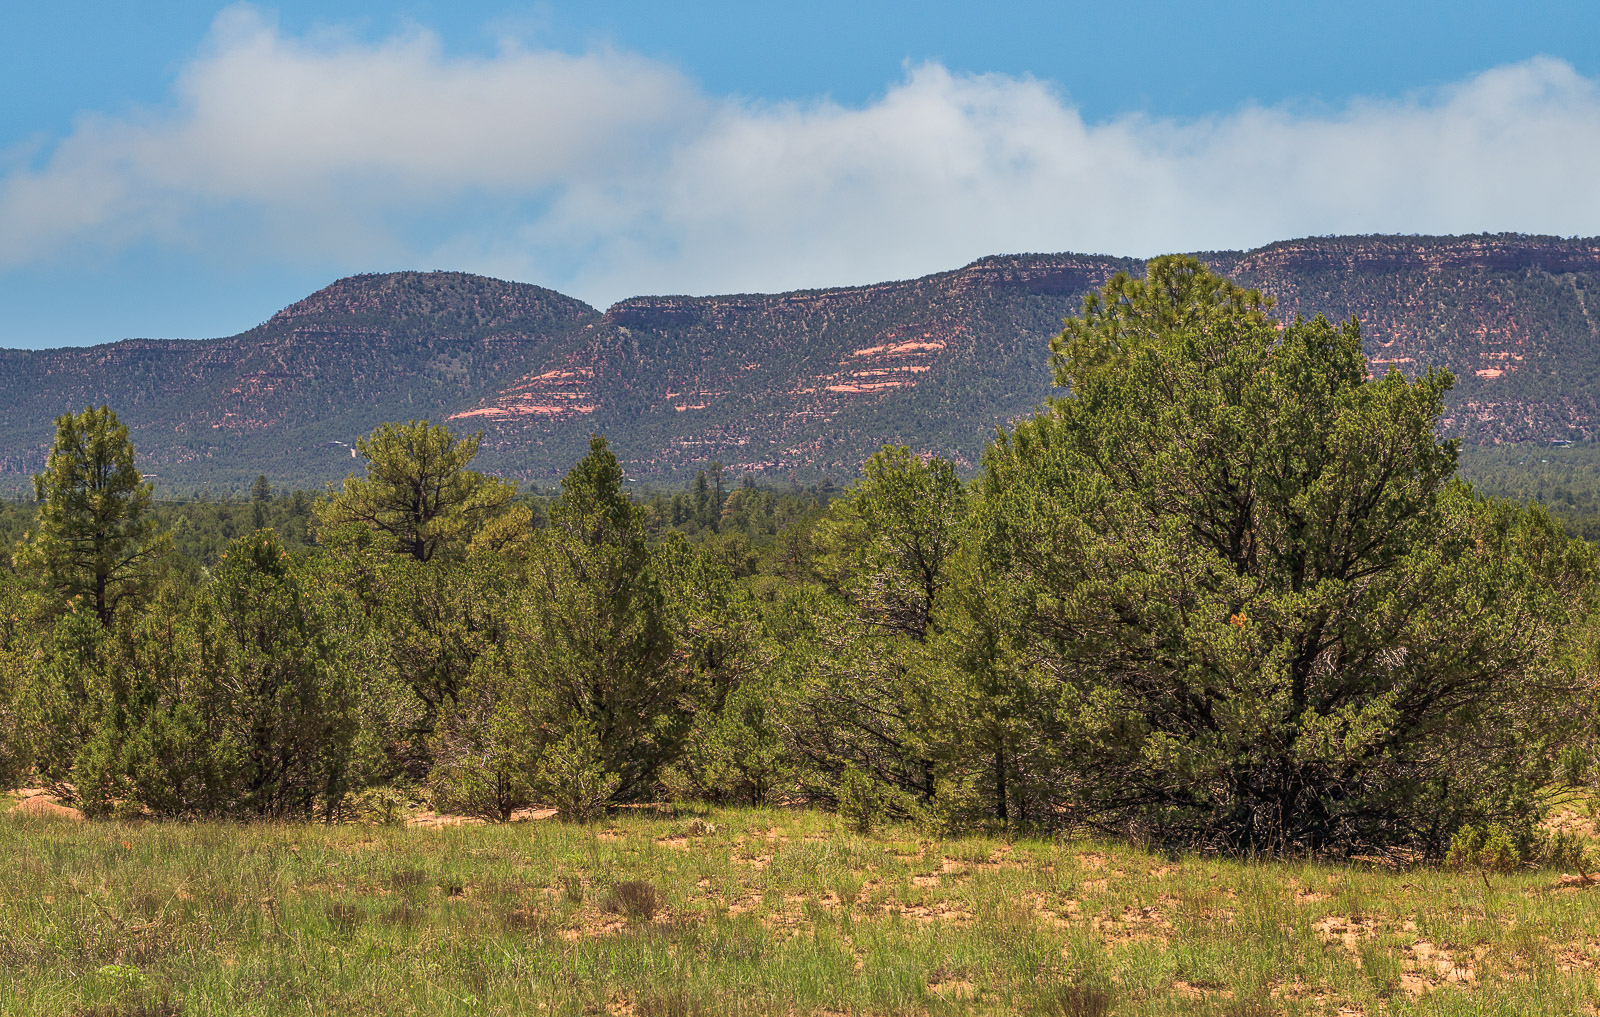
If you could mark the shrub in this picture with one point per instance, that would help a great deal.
(1486, 846)
(1495, 847)
(1564, 850)
(483, 760)
(1271, 616)
(572, 777)
(957, 806)
(863, 802)
(240, 700)
(381, 805)
(734, 757)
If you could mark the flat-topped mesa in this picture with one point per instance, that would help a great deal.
(1054, 274)
(457, 298)
(1049, 274)
(658, 312)
(803, 383)
(1501, 251)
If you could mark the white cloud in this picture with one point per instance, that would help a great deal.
(302, 131)
(609, 174)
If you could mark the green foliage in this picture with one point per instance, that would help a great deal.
(898, 537)
(436, 620)
(1226, 592)
(484, 762)
(62, 695)
(1564, 480)
(598, 648)
(201, 529)
(863, 802)
(573, 777)
(14, 747)
(861, 687)
(1272, 619)
(418, 490)
(1488, 846)
(94, 536)
(1495, 847)
(292, 680)
(736, 755)
(958, 805)
(587, 679)
(242, 700)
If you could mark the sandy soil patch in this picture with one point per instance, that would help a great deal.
(1345, 930)
(38, 802)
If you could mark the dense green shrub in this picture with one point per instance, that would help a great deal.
(62, 694)
(1496, 847)
(1271, 617)
(14, 749)
(239, 700)
(484, 754)
(572, 777)
(736, 755)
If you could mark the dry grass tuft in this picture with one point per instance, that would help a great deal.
(162, 1005)
(636, 899)
(677, 1003)
(1077, 1001)
(407, 878)
(403, 915)
(344, 917)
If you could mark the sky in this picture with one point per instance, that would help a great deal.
(176, 168)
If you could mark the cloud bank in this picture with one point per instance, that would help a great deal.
(608, 174)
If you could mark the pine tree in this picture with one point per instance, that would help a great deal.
(260, 494)
(96, 537)
(418, 490)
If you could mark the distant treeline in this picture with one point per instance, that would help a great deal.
(1564, 479)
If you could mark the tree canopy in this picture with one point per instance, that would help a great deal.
(1269, 615)
(94, 536)
(418, 490)
(1225, 592)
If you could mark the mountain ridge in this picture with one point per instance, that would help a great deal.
(796, 384)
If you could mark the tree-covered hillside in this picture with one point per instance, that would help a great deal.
(782, 387)
(288, 397)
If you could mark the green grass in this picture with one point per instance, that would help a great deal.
(771, 913)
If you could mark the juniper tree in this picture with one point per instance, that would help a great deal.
(1267, 614)
(861, 697)
(599, 676)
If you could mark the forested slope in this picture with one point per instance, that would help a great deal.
(271, 400)
(795, 385)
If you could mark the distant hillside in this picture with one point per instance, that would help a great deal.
(1517, 319)
(271, 400)
(796, 384)
(803, 383)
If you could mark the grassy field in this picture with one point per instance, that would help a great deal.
(751, 912)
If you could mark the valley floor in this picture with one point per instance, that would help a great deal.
(751, 912)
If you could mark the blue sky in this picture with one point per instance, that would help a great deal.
(176, 168)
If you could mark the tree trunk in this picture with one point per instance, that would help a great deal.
(1000, 811)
